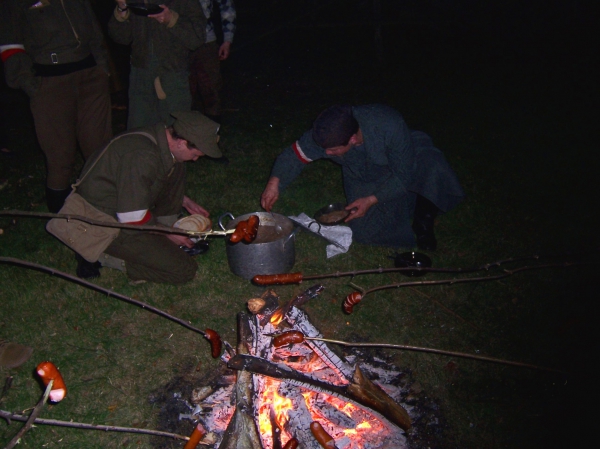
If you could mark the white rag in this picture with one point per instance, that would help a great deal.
(342, 235)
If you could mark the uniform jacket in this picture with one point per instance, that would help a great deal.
(131, 175)
(170, 43)
(392, 161)
(394, 164)
(46, 32)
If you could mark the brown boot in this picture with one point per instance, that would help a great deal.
(13, 355)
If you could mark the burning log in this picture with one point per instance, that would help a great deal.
(299, 300)
(241, 433)
(361, 390)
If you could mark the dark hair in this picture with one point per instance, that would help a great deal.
(334, 126)
(177, 136)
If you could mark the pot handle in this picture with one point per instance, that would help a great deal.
(293, 234)
(226, 214)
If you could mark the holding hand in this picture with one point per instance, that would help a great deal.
(194, 208)
(270, 195)
(163, 17)
(359, 207)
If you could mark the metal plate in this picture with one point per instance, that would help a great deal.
(322, 216)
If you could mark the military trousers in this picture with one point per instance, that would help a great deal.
(69, 110)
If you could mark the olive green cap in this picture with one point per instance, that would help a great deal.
(199, 130)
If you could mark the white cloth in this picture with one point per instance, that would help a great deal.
(342, 235)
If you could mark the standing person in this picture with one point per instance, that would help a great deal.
(140, 180)
(392, 176)
(55, 52)
(160, 48)
(205, 62)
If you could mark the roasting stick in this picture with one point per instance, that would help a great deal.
(32, 418)
(298, 277)
(78, 425)
(209, 334)
(295, 337)
(161, 229)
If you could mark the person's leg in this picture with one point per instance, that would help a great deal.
(423, 222)
(152, 257)
(386, 224)
(143, 102)
(94, 124)
(54, 114)
(178, 98)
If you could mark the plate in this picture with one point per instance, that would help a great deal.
(144, 9)
(412, 259)
(332, 214)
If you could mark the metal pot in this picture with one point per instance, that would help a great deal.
(272, 251)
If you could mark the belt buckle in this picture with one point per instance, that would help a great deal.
(54, 58)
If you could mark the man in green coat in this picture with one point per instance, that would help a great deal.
(396, 181)
(140, 180)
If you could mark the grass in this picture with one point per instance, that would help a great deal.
(515, 124)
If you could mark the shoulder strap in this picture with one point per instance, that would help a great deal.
(142, 133)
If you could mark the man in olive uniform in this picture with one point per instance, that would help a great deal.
(160, 48)
(395, 180)
(54, 51)
(140, 180)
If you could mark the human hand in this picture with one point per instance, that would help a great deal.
(194, 208)
(270, 195)
(359, 207)
(162, 17)
(224, 51)
(180, 240)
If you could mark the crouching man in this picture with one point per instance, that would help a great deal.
(140, 180)
(396, 182)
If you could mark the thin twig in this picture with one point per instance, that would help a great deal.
(31, 419)
(438, 351)
(107, 224)
(507, 273)
(77, 425)
(106, 291)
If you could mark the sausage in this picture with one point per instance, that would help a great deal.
(195, 437)
(291, 444)
(215, 342)
(240, 232)
(351, 300)
(251, 228)
(321, 436)
(47, 372)
(288, 338)
(283, 278)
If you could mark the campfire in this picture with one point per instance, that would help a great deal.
(297, 394)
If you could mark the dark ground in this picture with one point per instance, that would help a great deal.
(508, 91)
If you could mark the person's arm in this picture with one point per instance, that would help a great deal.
(228, 17)
(187, 25)
(120, 25)
(271, 194)
(18, 65)
(97, 43)
(194, 208)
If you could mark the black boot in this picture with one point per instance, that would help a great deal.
(55, 199)
(423, 221)
(87, 270)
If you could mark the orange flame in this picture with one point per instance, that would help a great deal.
(276, 318)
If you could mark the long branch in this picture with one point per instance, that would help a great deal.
(438, 351)
(108, 224)
(506, 273)
(106, 291)
(32, 417)
(77, 425)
